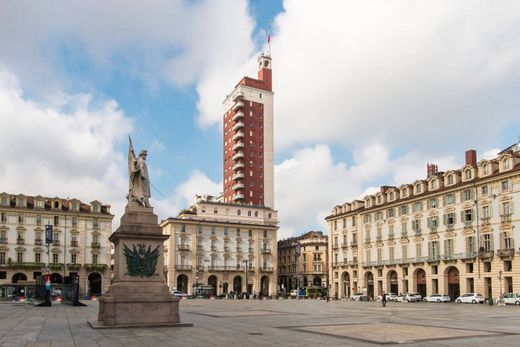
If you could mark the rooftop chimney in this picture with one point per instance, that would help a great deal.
(471, 157)
(431, 169)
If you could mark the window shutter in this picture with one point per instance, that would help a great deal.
(429, 222)
(444, 200)
(472, 214)
(445, 219)
(462, 216)
(446, 247)
(462, 196)
(492, 242)
(430, 249)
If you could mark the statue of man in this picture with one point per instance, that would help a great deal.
(139, 182)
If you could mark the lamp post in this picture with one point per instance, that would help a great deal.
(247, 283)
(501, 300)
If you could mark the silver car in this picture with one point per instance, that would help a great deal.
(437, 298)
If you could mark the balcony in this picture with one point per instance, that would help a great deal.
(95, 245)
(485, 220)
(199, 268)
(468, 255)
(238, 197)
(223, 268)
(238, 186)
(379, 238)
(237, 126)
(266, 251)
(238, 115)
(183, 247)
(74, 243)
(213, 248)
(238, 166)
(390, 236)
(20, 241)
(450, 257)
(335, 246)
(238, 175)
(344, 246)
(226, 249)
(3, 240)
(433, 230)
(238, 146)
(404, 234)
(237, 106)
(25, 266)
(238, 96)
(73, 267)
(505, 218)
(486, 254)
(56, 242)
(238, 155)
(251, 250)
(367, 239)
(183, 267)
(417, 231)
(418, 260)
(353, 243)
(265, 269)
(96, 267)
(37, 242)
(239, 250)
(200, 248)
(237, 136)
(505, 252)
(433, 258)
(450, 226)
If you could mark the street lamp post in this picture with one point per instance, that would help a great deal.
(247, 282)
(501, 300)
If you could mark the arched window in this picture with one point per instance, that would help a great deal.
(450, 179)
(467, 174)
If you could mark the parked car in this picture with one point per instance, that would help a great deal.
(408, 297)
(178, 294)
(389, 297)
(510, 299)
(294, 293)
(470, 298)
(356, 297)
(437, 298)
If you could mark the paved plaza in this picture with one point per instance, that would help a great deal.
(273, 322)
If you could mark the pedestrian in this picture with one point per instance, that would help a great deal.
(383, 299)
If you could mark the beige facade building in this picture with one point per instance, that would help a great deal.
(303, 261)
(80, 242)
(451, 233)
(223, 246)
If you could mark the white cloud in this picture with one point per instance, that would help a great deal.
(66, 152)
(184, 194)
(178, 42)
(427, 74)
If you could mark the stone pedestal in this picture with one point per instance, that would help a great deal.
(138, 295)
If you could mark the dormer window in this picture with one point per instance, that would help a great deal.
(379, 199)
(392, 196)
(4, 200)
(404, 193)
(39, 203)
(485, 169)
(56, 204)
(21, 202)
(417, 188)
(467, 174)
(95, 207)
(434, 184)
(450, 179)
(506, 164)
(74, 206)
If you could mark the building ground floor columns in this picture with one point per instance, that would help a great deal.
(488, 277)
(92, 281)
(223, 283)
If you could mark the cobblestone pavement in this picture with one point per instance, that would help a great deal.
(273, 322)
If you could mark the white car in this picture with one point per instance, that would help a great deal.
(511, 299)
(470, 298)
(437, 298)
(178, 293)
(356, 297)
(294, 293)
(408, 297)
(389, 297)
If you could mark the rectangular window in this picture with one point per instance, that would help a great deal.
(73, 258)
(37, 257)
(404, 251)
(353, 221)
(95, 223)
(55, 258)
(505, 186)
(450, 199)
(20, 219)
(94, 259)
(432, 203)
(485, 190)
(212, 230)
(470, 245)
(392, 254)
(3, 218)
(391, 212)
(56, 221)
(403, 209)
(19, 257)
(416, 226)
(417, 206)
(2, 258)
(38, 219)
(418, 250)
(487, 243)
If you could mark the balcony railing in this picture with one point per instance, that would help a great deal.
(486, 254)
(353, 243)
(238, 155)
(266, 269)
(183, 267)
(485, 220)
(266, 251)
(433, 230)
(238, 186)
(237, 115)
(238, 96)
(184, 247)
(506, 252)
(237, 105)
(433, 258)
(238, 175)
(505, 218)
(38, 242)
(74, 243)
(95, 245)
(20, 241)
(450, 257)
(468, 255)
(238, 125)
(238, 166)
(335, 246)
(390, 236)
(237, 136)
(238, 196)
(213, 248)
(25, 266)
(200, 267)
(95, 267)
(3, 240)
(404, 234)
(73, 267)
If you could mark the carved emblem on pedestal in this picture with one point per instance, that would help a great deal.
(141, 261)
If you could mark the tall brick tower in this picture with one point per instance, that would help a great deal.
(248, 139)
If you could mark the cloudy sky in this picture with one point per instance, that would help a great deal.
(366, 93)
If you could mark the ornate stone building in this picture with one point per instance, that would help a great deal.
(212, 242)
(303, 261)
(451, 233)
(80, 241)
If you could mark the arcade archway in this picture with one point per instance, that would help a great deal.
(94, 283)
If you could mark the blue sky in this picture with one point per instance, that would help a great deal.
(365, 94)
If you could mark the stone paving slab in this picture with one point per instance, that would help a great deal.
(272, 323)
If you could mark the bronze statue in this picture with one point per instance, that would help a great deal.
(138, 179)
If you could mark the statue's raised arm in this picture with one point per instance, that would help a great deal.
(138, 179)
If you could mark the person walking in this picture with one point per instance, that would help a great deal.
(383, 299)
